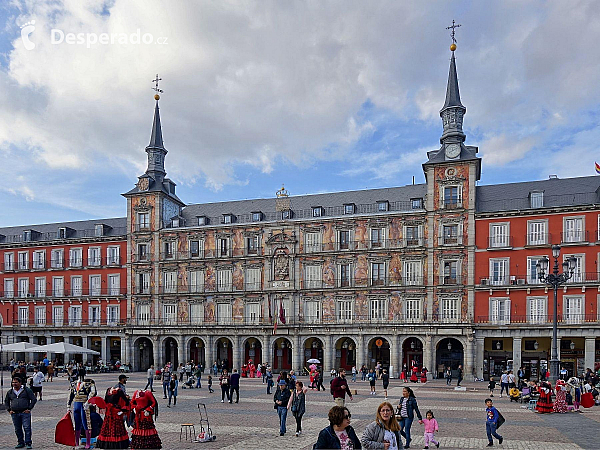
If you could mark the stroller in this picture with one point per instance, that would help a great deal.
(190, 383)
(206, 434)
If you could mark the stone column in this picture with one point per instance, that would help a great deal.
(328, 352)
(156, 353)
(360, 354)
(590, 353)
(516, 354)
(427, 356)
(85, 344)
(297, 355)
(209, 352)
(125, 351)
(366, 353)
(103, 348)
(235, 352)
(479, 349)
(266, 349)
(394, 348)
(67, 356)
(468, 368)
(181, 353)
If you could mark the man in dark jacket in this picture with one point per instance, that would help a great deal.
(234, 381)
(19, 402)
(281, 399)
(339, 389)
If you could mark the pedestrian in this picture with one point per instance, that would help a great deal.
(354, 374)
(563, 373)
(234, 381)
(407, 407)
(281, 399)
(560, 403)
(504, 383)
(224, 383)
(363, 373)
(372, 377)
(181, 371)
(512, 382)
(36, 382)
(431, 426)
(378, 369)
(448, 376)
(491, 423)
(297, 405)
(210, 389)
(520, 373)
(320, 380)
(173, 385)
(198, 374)
(150, 376)
(384, 431)
(81, 372)
(50, 371)
(460, 375)
(122, 382)
(339, 433)
(385, 379)
(215, 368)
(166, 378)
(339, 388)
(269, 377)
(492, 386)
(19, 402)
(188, 369)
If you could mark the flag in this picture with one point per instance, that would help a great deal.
(270, 315)
(597, 168)
(281, 312)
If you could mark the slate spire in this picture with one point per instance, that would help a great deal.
(452, 92)
(156, 137)
(453, 111)
(156, 150)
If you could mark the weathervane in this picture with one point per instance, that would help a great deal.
(155, 88)
(453, 27)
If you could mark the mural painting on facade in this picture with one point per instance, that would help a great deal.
(463, 308)
(395, 309)
(328, 237)
(328, 309)
(395, 268)
(435, 308)
(209, 310)
(211, 281)
(238, 310)
(395, 233)
(183, 311)
(361, 271)
(329, 272)
(183, 278)
(210, 246)
(361, 308)
(238, 277)
(238, 243)
(360, 234)
(281, 267)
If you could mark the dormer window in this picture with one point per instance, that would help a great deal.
(536, 199)
(349, 208)
(175, 222)
(98, 230)
(416, 203)
(27, 235)
(317, 211)
(286, 214)
(62, 233)
(227, 218)
(383, 205)
(202, 220)
(257, 216)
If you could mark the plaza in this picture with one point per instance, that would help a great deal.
(253, 424)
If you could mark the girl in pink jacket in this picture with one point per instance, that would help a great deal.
(431, 426)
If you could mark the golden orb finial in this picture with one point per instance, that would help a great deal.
(156, 97)
(453, 47)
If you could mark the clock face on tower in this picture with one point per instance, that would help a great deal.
(452, 151)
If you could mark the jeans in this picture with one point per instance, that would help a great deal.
(235, 389)
(165, 388)
(490, 428)
(150, 383)
(172, 395)
(22, 421)
(198, 384)
(353, 377)
(459, 380)
(264, 375)
(269, 385)
(363, 376)
(503, 386)
(225, 392)
(282, 413)
(448, 381)
(405, 424)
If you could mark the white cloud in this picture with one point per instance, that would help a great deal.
(501, 150)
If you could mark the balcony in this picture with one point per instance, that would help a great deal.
(68, 293)
(452, 239)
(142, 227)
(542, 319)
(375, 244)
(537, 239)
(574, 237)
(343, 282)
(57, 263)
(451, 280)
(66, 323)
(522, 280)
(500, 242)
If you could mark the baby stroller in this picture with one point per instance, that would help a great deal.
(190, 383)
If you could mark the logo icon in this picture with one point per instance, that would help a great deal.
(26, 31)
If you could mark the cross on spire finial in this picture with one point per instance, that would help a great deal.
(453, 27)
(155, 81)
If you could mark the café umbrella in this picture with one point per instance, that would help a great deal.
(64, 347)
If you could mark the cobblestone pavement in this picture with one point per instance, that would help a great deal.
(253, 423)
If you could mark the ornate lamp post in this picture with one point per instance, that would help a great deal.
(555, 279)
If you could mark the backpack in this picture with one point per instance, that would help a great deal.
(501, 420)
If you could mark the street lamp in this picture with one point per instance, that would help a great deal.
(555, 279)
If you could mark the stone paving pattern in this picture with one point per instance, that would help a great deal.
(253, 424)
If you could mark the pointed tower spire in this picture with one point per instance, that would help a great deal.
(156, 137)
(156, 150)
(453, 111)
(452, 92)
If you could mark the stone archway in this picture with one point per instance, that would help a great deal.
(252, 351)
(143, 351)
(345, 354)
(312, 349)
(282, 354)
(412, 351)
(449, 353)
(224, 352)
(170, 352)
(379, 351)
(197, 351)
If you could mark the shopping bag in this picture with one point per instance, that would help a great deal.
(65, 433)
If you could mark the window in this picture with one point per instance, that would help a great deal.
(169, 249)
(143, 314)
(143, 283)
(498, 235)
(536, 309)
(75, 257)
(24, 315)
(112, 256)
(500, 311)
(40, 315)
(345, 273)
(349, 208)
(377, 237)
(9, 262)
(313, 242)
(412, 273)
(57, 316)
(452, 197)
(344, 239)
(23, 287)
(170, 282)
(499, 271)
(412, 235)
(39, 259)
(143, 221)
(451, 273)
(227, 218)
(74, 316)
(253, 312)
(196, 248)
(572, 310)
(224, 280)
(94, 258)
(532, 273)
(416, 203)
(98, 230)
(413, 309)
(312, 311)
(196, 313)
(286, 214)
(112, 315)
(23, 260)
(382, 206)
(257, 216)
(9, 288)
(196, 281)
(449, 309)
(27, 235)
(578, 273)
(114, 284)
(40, 287)
(377, 274)
(223, 313)
(223, 248)
(95, 285)
(253, 278)
(450, 235)
(317, 211)
(62, 233)
(56, 258)
(202, 220)
(378, 309)
(536, 199)
(573, 229)
(76, 286)
(252, 245)
(58, 284)
(312, 277)
(94, 315)
(142, 253)
(536, 232)
(169, 314)
(344, 311)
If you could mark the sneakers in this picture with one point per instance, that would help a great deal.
(281, 434)
(500, 440)
(491, 444)
(20, 446)
(437, 445)
(426, 447)
(222, 401)
(297, 434)
(29, 446)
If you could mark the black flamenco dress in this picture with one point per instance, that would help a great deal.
(113, 433)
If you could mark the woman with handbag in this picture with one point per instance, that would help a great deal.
(297, 405)
(407, 407)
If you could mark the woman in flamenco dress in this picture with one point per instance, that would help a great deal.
(113, 433)
(560, 404)
(144, 434)
(544, 403)
(424, 375)
(414, 378)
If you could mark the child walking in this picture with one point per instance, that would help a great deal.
(492, 386)
(210, 389)
(491, 423)
(431, 426)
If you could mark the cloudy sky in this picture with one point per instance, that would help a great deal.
(319, 95)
